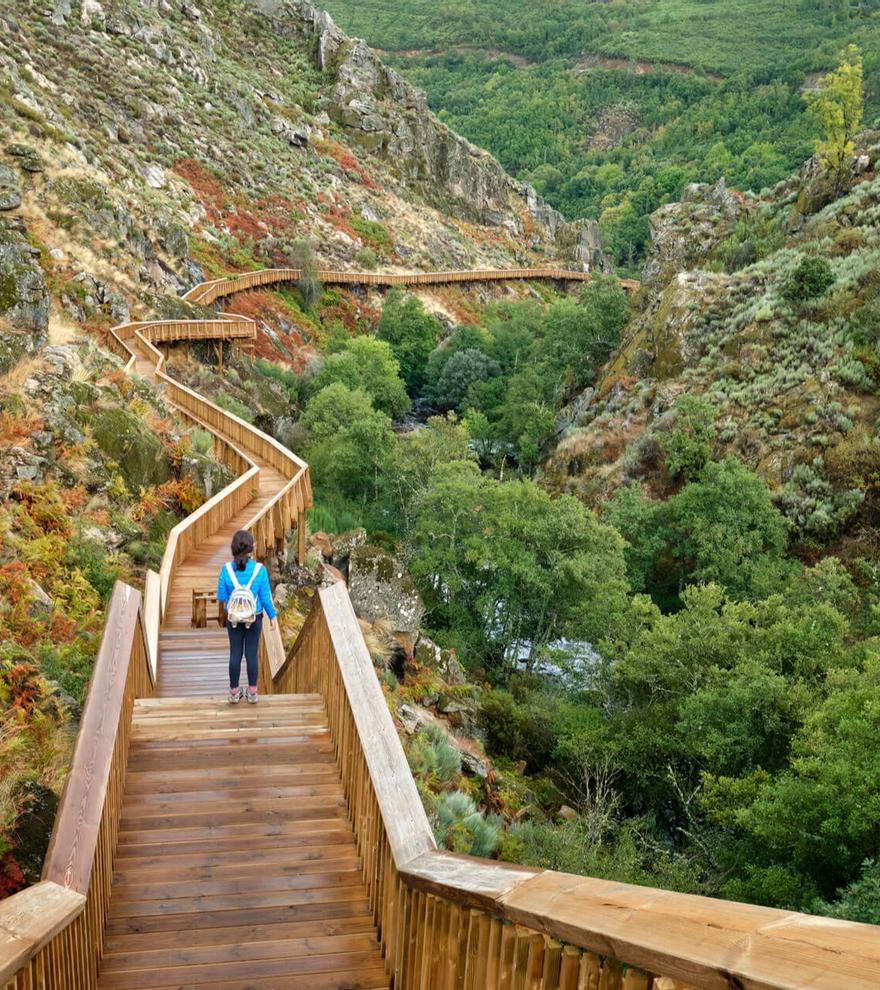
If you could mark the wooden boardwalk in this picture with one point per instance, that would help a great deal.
(284, 846)
(236, 867)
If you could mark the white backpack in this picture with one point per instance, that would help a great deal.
(242, 604)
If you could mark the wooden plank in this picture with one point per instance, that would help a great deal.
(700, 941)
(30, 919)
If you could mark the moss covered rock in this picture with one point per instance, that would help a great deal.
(126, 439)
(381, 588)
(24, 297)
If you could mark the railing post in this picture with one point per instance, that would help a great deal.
(301, 537)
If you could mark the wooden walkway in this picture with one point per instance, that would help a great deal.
(236, 866)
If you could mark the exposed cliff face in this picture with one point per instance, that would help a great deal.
(389, 118)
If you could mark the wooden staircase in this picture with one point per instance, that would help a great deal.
(236, 867)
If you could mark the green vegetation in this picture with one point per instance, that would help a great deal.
(611, 108)
(837, 107)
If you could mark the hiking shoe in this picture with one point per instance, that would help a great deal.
(252, 697)
(235, 695)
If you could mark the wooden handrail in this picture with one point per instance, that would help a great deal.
(477, 917)
(51, 934)
(219, 288)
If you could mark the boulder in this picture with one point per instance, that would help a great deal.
(211, 476)
(428, 654)
(15, 345)
(343, 544)
(29, 159)
(380, 588)
(41, 604)
(413, 717)
(24, 296)
(462, 711)
(10, 190)
(322, 542)
(126, 439)
(474, 765)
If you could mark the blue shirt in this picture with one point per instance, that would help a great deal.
(260, 588)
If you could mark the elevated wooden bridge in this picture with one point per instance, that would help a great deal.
(284, 846)
(220, 288)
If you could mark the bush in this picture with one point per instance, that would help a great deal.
(463, 829)
(367, 259)
(518, 731)
(201, 441)
(234, 406)
(433, 758)
(689, 446)
(810, 279)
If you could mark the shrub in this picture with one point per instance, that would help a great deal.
(462, 828)
(433, 758)
(367, 258)
(201, 441)
(689, 446)
(234, 406)
(810, 279)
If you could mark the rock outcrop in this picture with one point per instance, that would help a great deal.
(24, 297)
(389, 118)
(685, 231)
(380, 588)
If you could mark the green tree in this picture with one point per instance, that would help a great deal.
(514, 568)
(837, 105)
(809, 828)
(463, 370)
(720, 527)
(414, 461)
(579, 335)
(367, 364)
(689, 445)
(412, 334)
(348, 441)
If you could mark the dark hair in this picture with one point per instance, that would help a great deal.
(242, 548)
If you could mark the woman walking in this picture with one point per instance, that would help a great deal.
(243, 585)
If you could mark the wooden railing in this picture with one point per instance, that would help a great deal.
(454, 921)
(209, 292)
(51, 934)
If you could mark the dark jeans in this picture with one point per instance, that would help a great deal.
(246, 641)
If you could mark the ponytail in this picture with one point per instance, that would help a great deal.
(242, 548)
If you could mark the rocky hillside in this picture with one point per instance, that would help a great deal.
(766, 310)
(145, 146)
(148, 143)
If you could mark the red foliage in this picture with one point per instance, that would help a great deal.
(272, 215)
(11, 877)
(14, 582)
(14, 429)
(345, 158)
(23, 681)
(62, 629)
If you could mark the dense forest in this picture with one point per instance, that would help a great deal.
(721, 738)
(610, 109)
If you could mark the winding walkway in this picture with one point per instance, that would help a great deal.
(285, 846)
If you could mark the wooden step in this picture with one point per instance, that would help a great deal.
(236, 866)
